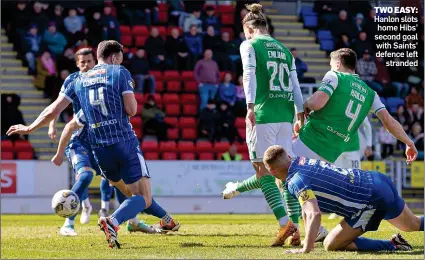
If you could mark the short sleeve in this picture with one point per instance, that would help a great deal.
(293, 67)
(329, 83)
(80, 118)
(247, 55)
(376, 105)
(300, 189)
(67, 89)
(126, 82)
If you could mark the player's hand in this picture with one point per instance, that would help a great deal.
(250, 118)
(52, 133)
(18, 130)
(411, 153)
(368, 152)
(57, 160)
(297, 126)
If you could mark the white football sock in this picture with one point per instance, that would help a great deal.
(134, 221)
(104, 205)
(68, 222)
(86, 203)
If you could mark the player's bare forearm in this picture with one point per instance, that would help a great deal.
(52, 129)
(300, 117)
(312, 223)
(69, 128)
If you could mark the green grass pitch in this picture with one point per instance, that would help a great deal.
(201, 236)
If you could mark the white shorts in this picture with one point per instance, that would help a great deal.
(262, 136)
(349, 160)
(300, 149)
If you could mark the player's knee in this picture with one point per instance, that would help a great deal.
(329, 244)
(86, 176)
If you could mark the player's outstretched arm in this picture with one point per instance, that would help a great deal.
(48, 114)
(398, 132)
(52, 132)
(64, 140)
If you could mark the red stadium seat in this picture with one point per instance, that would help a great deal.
(170, 28)
(172, 75)
(173, 134)
(189, 133)
(125, 30)
(140, 30)
(190, 110)
(157, 74)
(242, 147)
(23, 146)
(126, 50)
(245, 156)
(187, 75)
(150, 146)
(206, 156)
(136, 121)
(156, 96)
(187, 156)
(240, 122)
(229, 30)
(171, 120)
(162, 30)
(139, 109)
(127, 40)
(138, 132)
(174, 86)
(190, 86)
(225, 9)
(6, 155)
(221, 147)
(203, 146)
(159, 86)
(169, 156)
(25, 156)
(242, 133)
(6, 146)
(172, 110)
(168, 146)
(133, 50)
(140, 41)
(139, 98)
(189, 99)
(151, 156)
(162, 7)
(227, 19)
(169, 98)
(186, 146)
(163, 17)
(187, 122)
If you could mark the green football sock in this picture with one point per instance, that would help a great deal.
(292, 205)
(252, 183)
(272, 195)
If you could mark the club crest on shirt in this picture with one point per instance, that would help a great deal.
(304, 195)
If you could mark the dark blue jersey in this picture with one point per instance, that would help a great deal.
(100, 92)
(337, 190)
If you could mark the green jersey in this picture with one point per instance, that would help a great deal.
(332, 130)
(272, 62)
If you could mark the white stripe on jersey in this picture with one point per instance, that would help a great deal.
(339, 200)
(122, 122)
(110, 108)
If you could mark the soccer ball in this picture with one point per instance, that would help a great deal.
(65, 203)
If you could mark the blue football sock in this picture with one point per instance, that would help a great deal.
(155, 210)
(105, 190)
(81, 185)
(128, 209)
(119, 196)
(422, 224)
(367, 244)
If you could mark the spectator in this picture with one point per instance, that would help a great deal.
(55, 41)
(210, 40)
(20, 21)
(359, 23)
(58, 84)
(95, 30)
(194, 43)
(343, 25)
(232, 154)
(327, 11)
(208, 120)
(176, 50)
(66, 61)
(211, 20)
(46, 73)
(226, 124)
(207, 76)
(226, 53)
(193, 19)
(270, 26)
(238, 18)
(367, 72)
(139, 67)
(371, 27)
(111, 25)
(58, 18)
(227, 90)
(418, 139)
(402, 116)
(362, 44)
(416, 114)
(301, 68)
(240, 104)
(414, 98)
(383, 76)
(387, 141)
(153, 119)
(11, 115)
(39, 17)
(150, 11)
(31, 47)
(344, 42)
(238, 41)
(398, 76)
(155, 47)
(74, 26)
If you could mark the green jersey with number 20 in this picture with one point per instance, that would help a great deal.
(273, 62)
(332, 130)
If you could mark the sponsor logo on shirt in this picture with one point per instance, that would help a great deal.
(335, 132)
(272, 45)
(104, 123)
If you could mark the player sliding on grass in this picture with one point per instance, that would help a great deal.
(363, 198)
(107, 100)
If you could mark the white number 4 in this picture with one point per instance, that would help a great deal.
(100, 101)
(351, 115)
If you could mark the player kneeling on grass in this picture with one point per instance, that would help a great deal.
(363, 198)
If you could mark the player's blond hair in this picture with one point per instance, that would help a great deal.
(274, 154)
(255, 17)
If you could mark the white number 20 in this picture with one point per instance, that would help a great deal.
(100, 101)
(352, 116)
(281, 70)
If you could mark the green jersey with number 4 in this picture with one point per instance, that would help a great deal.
(332, 130)
(273, 62)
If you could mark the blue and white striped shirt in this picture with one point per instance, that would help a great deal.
(99, 92)
(337, 190)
